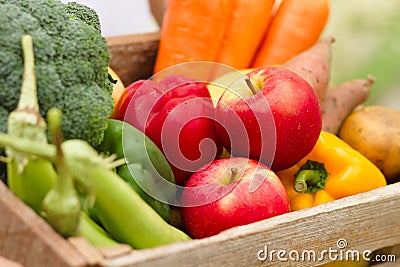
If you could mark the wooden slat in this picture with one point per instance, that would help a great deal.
(27, 238)
(133, 56)
(116, 251)
(92, 255)
(4, 262)
(367, 221)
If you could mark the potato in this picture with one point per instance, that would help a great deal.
(375, 132)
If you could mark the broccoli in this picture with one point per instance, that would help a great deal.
(71, 58)
(3, 119)
(83, 13)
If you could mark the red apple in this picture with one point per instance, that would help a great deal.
(139, 101)
(177, 114)
(230, 192)
(272, 115)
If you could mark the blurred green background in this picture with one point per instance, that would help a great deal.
(367, 34)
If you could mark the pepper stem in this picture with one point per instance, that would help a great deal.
(311, 177)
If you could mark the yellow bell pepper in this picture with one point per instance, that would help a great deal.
(332, 170)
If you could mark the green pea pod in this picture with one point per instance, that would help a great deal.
(146, 168)
(145, 176)
(126, 216)
(35, 181)
(119, 208)
(93, 233)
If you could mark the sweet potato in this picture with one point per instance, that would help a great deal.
(341, 100)
(314, 65)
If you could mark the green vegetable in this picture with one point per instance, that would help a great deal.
(29, 178)
(71, 64)
(127, 217)
(123, 213)
(61, 206)
(3, 119)
(146, 169)
(93, 233)
(83, 13)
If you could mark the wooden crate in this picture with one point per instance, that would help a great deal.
(367, 221)
(133, 56)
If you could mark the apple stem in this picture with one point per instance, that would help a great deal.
(250, 85)
(311, 177)
(234, 172)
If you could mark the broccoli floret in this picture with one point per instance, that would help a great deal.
(74, 108)
(84, 13)
(71, 59)
(3, 119)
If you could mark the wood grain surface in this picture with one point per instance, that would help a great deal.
(366, 221)
(133, 56)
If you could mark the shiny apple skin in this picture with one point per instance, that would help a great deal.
(213, 203)
(177, 114)
(278, 126)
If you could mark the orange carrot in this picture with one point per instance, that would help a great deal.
(247, 25)
(295, 27)
(192, 30)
